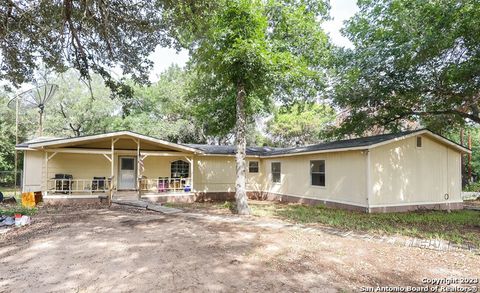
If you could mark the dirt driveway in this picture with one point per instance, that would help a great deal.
(123, 250)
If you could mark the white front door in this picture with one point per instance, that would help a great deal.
(127, 173)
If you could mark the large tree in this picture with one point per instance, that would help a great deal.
(77, 109)
(164, 109)
(246, 53)
(412, 60)
(91, 36)
(300, 123)
(161, 109)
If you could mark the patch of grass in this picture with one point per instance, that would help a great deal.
(9, 191)
(462, 226)
(18, 209)
(457, 226)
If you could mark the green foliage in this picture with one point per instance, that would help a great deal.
(18, 209)
(413, 60)
(474, 132)
(89, 36)
(161, 110)
(164, 109)
(78, 109)
(473, 187)
(302, 123)
(7, 135)
(273, 49)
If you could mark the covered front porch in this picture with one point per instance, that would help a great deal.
(117, 165)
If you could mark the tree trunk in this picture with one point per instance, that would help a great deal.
(241, 189)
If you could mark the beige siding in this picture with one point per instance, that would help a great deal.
(159, 166)
(345, 175)
(80, 166)
(217, 174)
(34, 171)
(401, 173)
(454, 175)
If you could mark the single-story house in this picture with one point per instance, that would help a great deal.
(390, 172)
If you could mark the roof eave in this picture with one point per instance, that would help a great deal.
(428, 132)
(42, 145)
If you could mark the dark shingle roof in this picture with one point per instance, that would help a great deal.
(230, 149)
(334, 145)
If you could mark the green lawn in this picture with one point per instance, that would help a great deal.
(457, 226)
(9, 191)
(17, 209)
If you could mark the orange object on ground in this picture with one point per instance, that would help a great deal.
(28, 199)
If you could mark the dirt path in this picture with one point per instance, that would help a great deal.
(122, 250)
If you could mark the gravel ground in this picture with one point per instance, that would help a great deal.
(126, 250)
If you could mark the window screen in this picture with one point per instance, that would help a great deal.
(180, 169)
(276, 172)
(253, 166)
(317, 171)
(128, 164)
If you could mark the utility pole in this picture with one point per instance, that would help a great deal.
(16, 152)
(462, 161)
(469, 157)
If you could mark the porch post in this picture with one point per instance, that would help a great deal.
(191, 173)
(112, 175)
(139, 174)
(46, 173)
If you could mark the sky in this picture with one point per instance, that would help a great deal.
(341, 10)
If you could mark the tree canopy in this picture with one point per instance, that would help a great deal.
(412, 60)
(90, 36)
(300, 124)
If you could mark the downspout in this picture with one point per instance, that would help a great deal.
(369, 181)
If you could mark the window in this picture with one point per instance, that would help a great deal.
(317, 171)
(276, 172)
(127, 164)
(419, 141)
(253, 167)
(180, 169)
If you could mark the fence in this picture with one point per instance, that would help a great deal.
(10, 183)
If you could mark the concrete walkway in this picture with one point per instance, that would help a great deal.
(146, 205)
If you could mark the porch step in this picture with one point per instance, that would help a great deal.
(129, 202)
(146, 205)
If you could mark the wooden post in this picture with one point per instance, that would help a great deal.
(191, 175)
(139, 176)
(112, 181)
(46, 173)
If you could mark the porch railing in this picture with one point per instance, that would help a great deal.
(69, 186)
(166, 184)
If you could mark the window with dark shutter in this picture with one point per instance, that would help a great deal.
(276, 172)
(317, 172)
(253, 167)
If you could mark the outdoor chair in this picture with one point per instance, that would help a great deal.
(98, 184)
(163, 184)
